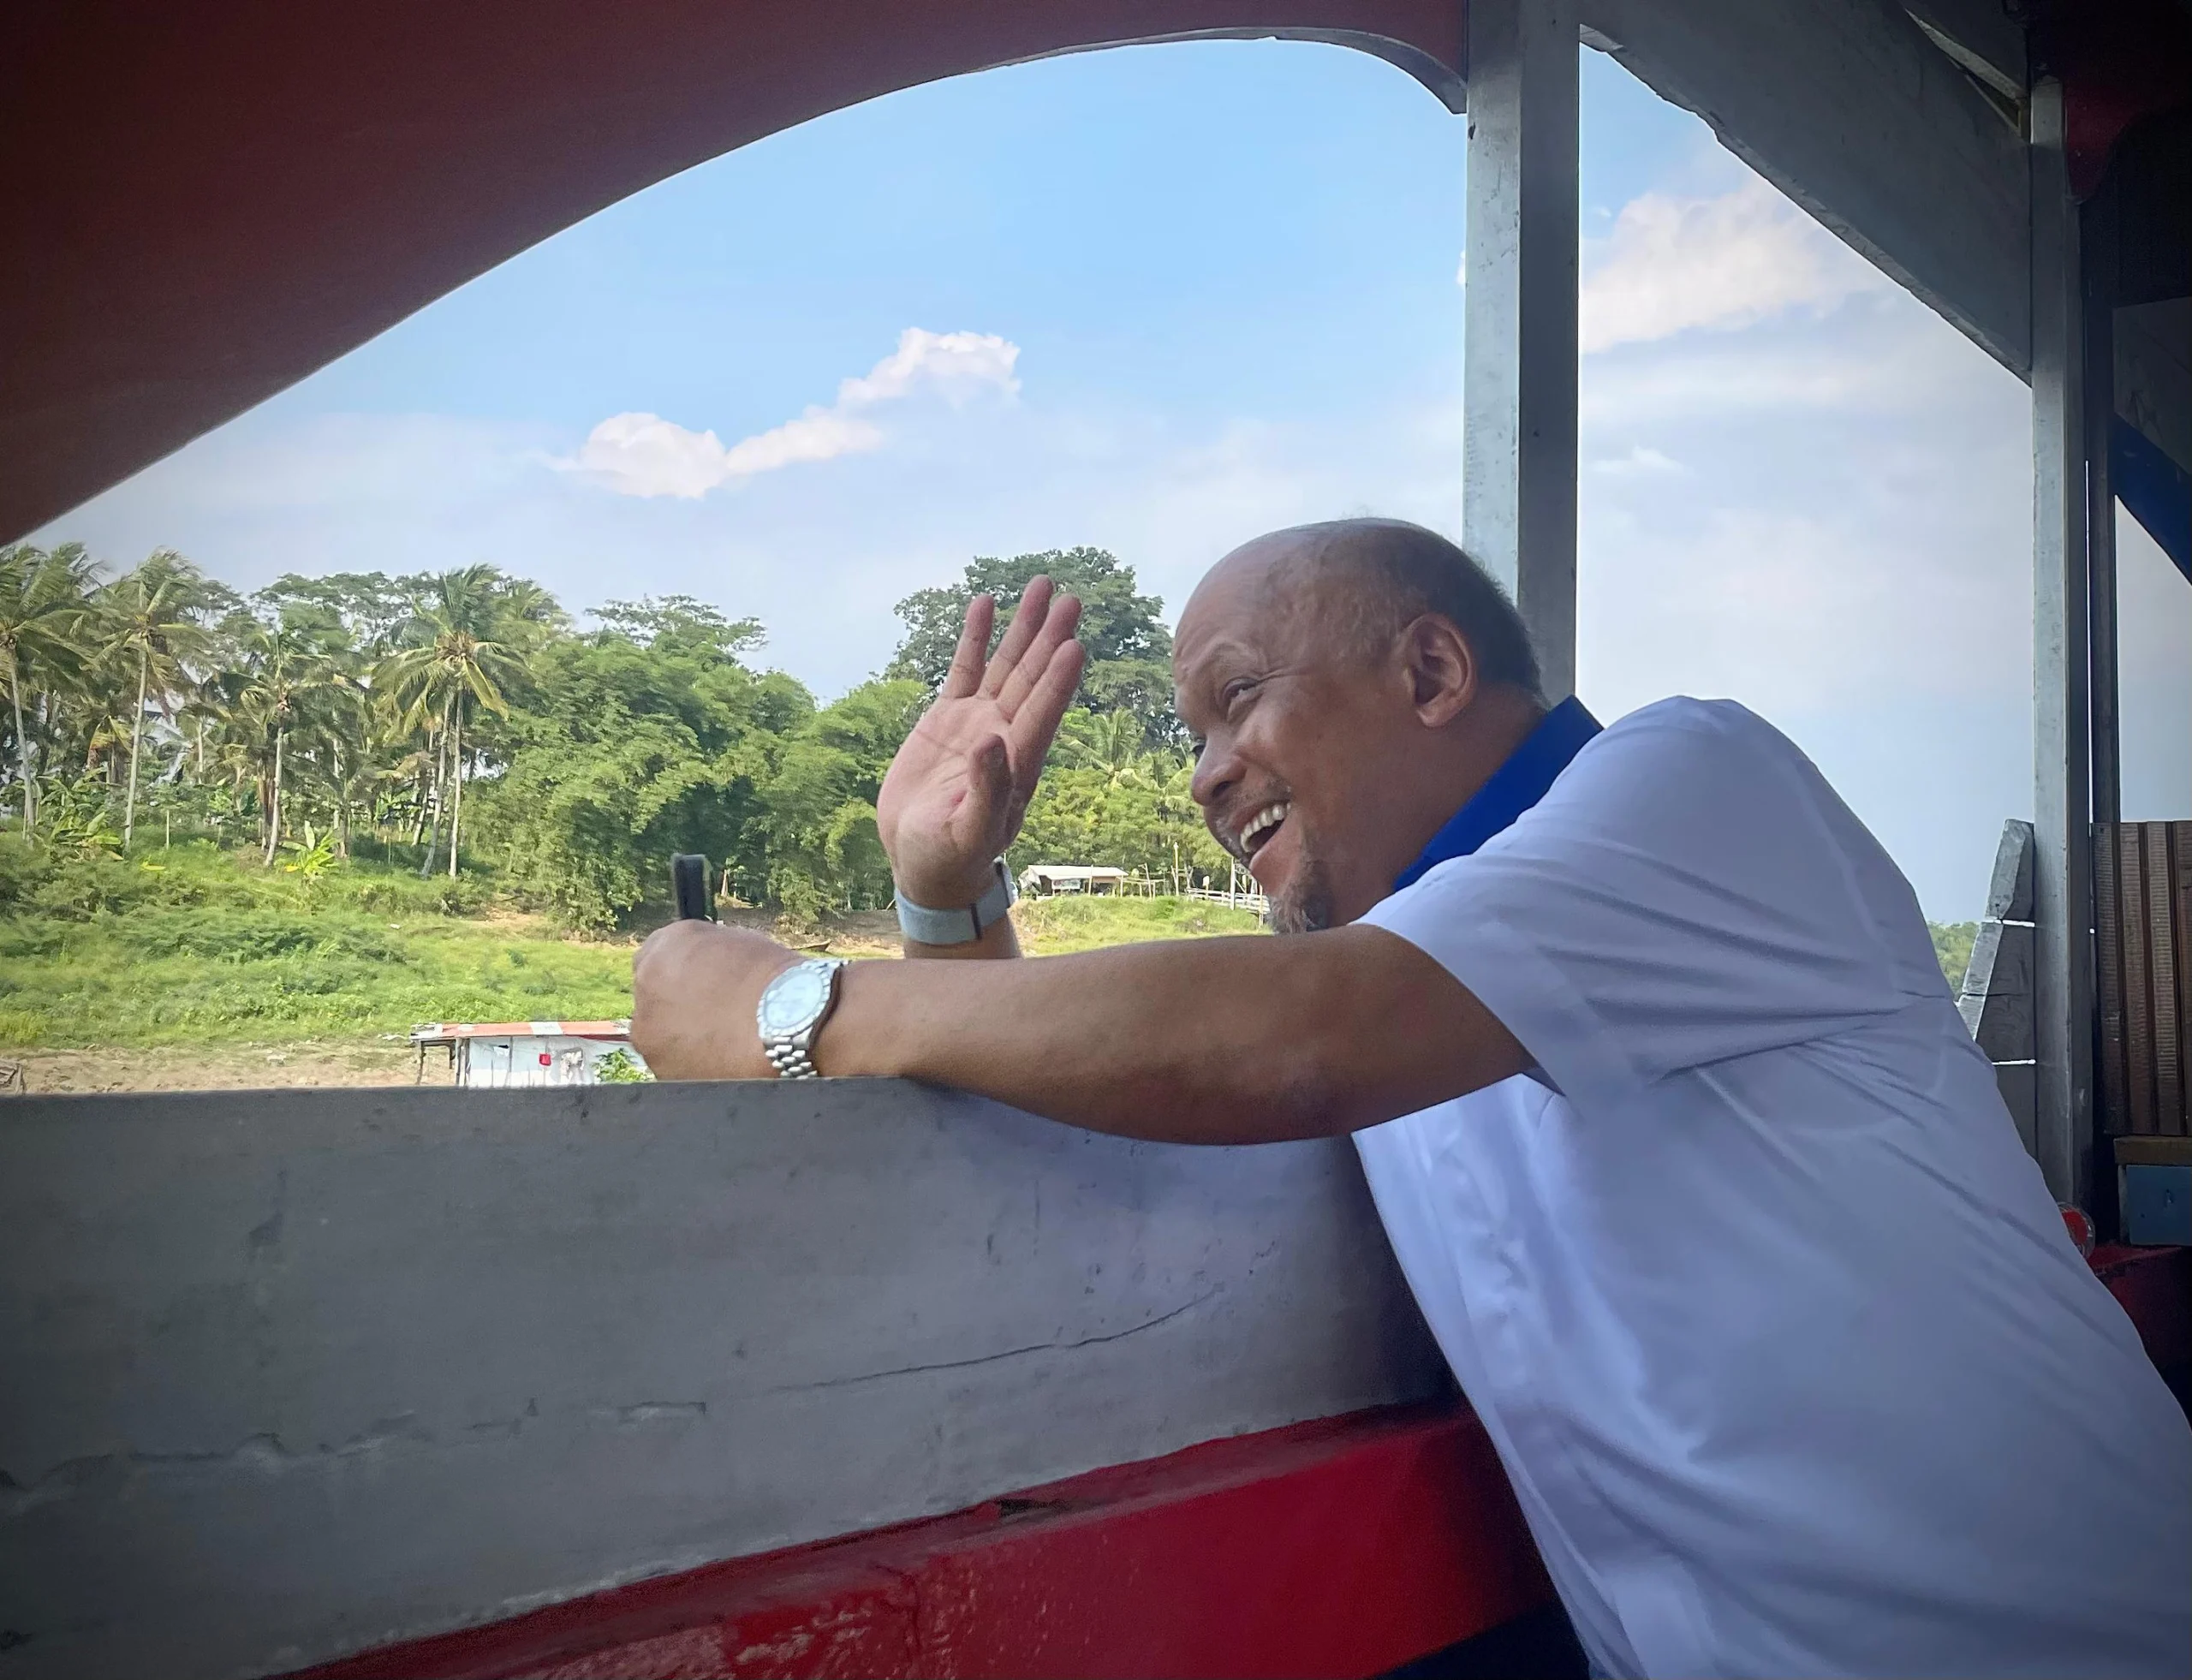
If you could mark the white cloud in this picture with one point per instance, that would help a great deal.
(645, 455)
(1674, 263)
(957, 364)
(1895, 362)
(1642, 461)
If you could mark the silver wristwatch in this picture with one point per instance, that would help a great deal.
(964, 926)
(792, 1008)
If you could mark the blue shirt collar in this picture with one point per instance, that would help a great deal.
(1524, 779)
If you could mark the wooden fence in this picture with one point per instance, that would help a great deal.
(1239, 901)
(2142, 916)
(2142, 948)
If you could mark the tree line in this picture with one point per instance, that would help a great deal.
(465, 720)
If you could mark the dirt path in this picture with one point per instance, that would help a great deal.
(241, 1067)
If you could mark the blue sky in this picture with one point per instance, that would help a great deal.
(1158, 299)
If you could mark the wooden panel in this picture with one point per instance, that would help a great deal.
(2142, 951)
(2138, 998)
(2162, 941)
(2110, 1076)
(2181, 845)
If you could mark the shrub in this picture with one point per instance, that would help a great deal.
(240, 936)
(621, 1067)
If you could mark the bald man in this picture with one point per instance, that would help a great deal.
(1709, 1198)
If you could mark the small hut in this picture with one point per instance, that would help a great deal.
(1051, 880)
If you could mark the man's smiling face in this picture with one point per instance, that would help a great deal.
(1305, 735)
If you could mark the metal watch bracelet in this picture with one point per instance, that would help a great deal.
(963, 925)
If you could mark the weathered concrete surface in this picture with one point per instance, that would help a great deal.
(2154, 374)
(1848, 108)
(291, 1373)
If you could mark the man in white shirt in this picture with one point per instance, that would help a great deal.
(1706, 1192)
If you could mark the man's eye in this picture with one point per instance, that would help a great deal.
(1235, 690)
(1196, 744)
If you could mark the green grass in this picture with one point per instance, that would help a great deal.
(1054, 926)
(262, 977)
(195, 946)
(200, 947)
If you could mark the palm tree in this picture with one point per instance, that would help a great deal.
(42, 609)
(454, 663)
(1173, 780)
(1107, 740)
(525, 614)
(150, 617)
(286, 667)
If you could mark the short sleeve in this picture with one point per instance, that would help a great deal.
(1690, 890)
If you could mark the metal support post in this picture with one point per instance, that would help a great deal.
(2061, 679)
(2097, 260)
(1518, 388)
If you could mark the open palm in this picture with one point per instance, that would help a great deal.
(959, 786)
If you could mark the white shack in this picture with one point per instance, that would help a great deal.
(524, 1052)
(1044, 880)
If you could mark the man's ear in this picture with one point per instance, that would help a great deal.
(1441, 669)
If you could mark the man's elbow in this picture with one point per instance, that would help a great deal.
(1306, 1086)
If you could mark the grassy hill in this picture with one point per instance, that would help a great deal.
(196, 967)
(196, 947)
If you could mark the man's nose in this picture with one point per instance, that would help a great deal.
(1218, 773)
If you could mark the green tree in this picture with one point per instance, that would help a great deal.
(285, 667)
(680, 625)
(1141, 690)
(151, 620)
(1108, 742)
(526, 614)
(1130, 649)
(824, 853)
(641, 739)
(43, 607)
(466, 703)
(371, 606)
(1952, 944)
(451, 664)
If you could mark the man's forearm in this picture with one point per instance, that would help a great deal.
(1198, 1041)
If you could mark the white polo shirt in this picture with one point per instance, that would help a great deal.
(1775, 1326)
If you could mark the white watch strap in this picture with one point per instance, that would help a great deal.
(962, 926)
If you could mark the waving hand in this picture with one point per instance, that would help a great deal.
(960, 785)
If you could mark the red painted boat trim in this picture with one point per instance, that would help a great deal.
(1345, 1546)
(2155, 1287)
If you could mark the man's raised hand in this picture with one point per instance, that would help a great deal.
(959, 786)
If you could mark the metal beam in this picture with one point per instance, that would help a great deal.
(1849, 108)
(1980, 37)
(2062, 791)
(2154, 374)
(1518, 391)
(2151, 452)
(2097, 277)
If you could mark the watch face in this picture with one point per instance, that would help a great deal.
(795, 998)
